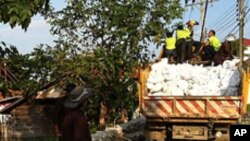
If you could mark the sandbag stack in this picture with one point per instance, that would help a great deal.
(193, 80)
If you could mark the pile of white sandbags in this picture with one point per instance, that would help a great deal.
(184, 79)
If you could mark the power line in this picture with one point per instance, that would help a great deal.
(191, 11)
(247, 2)
(247, 19)
(226, 13)
(225, 19)
(234, 30)
(226, 22)
(227, 27)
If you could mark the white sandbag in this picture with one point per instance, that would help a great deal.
(157, 87)
(150, 85)
(186, 79)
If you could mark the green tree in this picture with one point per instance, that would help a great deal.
(12, 63)
(20, 12)
(105, 40)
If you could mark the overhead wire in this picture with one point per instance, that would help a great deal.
(191, 11)
(185, 13)
(248, 18)
(226, 22)
(246, 13)
(246, 2)
(219, 19)
(234, 30)
(224, 26)
(232, 24)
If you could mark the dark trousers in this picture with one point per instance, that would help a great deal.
(189, 45)
(170, 53)
(197, 46)
(180, 50)
(209, 53)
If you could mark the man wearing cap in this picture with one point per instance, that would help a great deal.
(74, 123)
(212, 46)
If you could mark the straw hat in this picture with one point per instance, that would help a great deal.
(76, 96)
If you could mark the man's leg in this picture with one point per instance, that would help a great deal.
(197, 46)
(178, 50)
(209, 53)
(182, 50)
(189, 45)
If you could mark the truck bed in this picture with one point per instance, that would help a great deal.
(203, 107)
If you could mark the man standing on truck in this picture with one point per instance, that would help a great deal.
(169, 50)
(212, 46)
(189, 39)
(181, 35)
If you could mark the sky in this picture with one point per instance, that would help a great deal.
(37, 32)
(221, 17)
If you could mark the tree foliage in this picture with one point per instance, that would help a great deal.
(20, 12)
(24, 72)
(110, 38)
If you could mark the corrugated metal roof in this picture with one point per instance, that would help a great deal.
(246, 42)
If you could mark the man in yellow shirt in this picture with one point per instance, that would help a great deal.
(181, 35)
(212, 46)
(170, 47)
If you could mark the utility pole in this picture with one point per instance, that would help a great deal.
(241, 28)
(201, 11)
(204, 14)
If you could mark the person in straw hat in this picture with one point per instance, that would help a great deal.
(74, 123)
